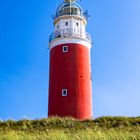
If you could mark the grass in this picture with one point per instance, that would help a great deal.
(105, 128)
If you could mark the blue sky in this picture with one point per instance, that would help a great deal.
(24, 56)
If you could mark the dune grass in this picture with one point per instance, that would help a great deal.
(105, 128)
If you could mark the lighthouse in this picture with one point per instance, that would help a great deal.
(70, 85)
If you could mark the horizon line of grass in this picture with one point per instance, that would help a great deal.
(106, 122)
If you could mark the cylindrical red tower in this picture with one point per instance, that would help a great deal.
(70, 85)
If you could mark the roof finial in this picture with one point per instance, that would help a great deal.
(69, 0)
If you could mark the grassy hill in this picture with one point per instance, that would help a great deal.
(105, 128)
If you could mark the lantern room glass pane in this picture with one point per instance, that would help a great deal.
(69, 8)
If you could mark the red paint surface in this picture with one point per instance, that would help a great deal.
(72, 71)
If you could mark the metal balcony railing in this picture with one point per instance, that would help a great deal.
(70, 14)
(69, 33)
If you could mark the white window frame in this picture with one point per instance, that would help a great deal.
(65, 48)
(66, 91)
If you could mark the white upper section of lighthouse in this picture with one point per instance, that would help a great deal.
(70, 21)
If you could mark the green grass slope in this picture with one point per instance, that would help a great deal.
(55, 128)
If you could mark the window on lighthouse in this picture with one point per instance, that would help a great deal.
(65, 48)
(64, 92)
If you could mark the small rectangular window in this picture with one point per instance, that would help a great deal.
(64, 92)
(77, 24)
(65, 48)
(66, 23)
(57, 26)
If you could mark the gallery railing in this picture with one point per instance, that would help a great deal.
(69, 33)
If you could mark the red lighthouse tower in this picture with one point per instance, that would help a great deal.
(70, 85)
